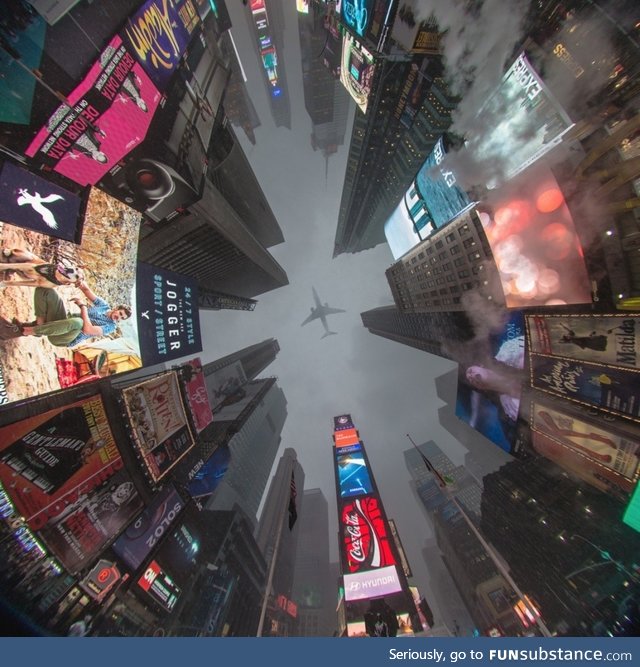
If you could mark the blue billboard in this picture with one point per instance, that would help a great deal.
(353, 475)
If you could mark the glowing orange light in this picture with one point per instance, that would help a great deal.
(549, 200)
(558, 240)
(514, 216)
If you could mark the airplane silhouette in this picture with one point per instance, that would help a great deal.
(321, 312)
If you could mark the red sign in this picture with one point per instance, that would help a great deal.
(146, 580)
(348, 437)
(197, 395)
(365, 536)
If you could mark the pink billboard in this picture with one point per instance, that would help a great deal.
(110, 113)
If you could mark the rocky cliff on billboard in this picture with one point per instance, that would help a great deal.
(69, 307)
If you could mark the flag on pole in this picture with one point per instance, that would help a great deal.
(293, 513)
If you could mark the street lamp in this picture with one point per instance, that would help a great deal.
(535, 614)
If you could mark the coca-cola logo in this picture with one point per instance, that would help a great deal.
(366, 545)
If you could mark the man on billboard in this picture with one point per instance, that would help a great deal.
(63, 330)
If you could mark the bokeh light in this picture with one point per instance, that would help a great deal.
(549, 200)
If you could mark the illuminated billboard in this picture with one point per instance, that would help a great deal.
(110, 112)
(158, 34)
(365, 538)
(632, 514)
(347, 437)
(65, 476)
(168, 314)
(342, 422)
(197, 395)
(179, 552)
(357, 15)
(356, 71)
(206, 480)
(37, 204)
(106, 260)
(607, 339)
(534, 242)
(158, 423)
(433, 200)
(371, 584)
(490, 388)
(606, 454)
(302, 6)
(612, 389)
(353, 475)
(137, 541)
(159, 586)
(526, 123)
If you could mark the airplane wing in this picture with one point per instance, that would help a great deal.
(332, 311)
(314, 316)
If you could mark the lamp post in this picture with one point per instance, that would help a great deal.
(535, 614)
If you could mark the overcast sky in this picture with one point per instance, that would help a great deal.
(387, 387)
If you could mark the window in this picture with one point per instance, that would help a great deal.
(442, 255)
(463, 230)
(454, 249)
(450, 238)
(440, 281)
(473, 256)
(439, 244)
(459, 262)
(463, 273)
(469, 243)
(421, 255)
(450, 278)
(446, 266)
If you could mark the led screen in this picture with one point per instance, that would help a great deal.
(168, 314)
(65, 476)
(490, 388)
(365, 536)
(208, 477)
(526, 122)
(346, 437)
(109, 115)
(534, 242)
(612, 340)
(353, 475)
(158, 423)
(433, 200)
(372, 584)
(158, 34)
(357, 15)
(356, 71)
(35, 203)
(136, 543)
(61, 353)
(342, 422)
(160, 586)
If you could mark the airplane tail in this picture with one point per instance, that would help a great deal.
(329, 333)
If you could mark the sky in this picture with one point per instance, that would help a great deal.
(388, 388)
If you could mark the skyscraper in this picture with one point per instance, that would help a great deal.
(253, 447)
(277, 535)
(254, 359)
(315, 590)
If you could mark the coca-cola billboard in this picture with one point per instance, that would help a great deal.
(365, 536)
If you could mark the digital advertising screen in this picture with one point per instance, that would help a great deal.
(342, 422)
(365, 535)
(168, 314)
(179, 552)
(356, 71)
(141, 536)
(110, 112)
(371, 584)
(526, 123)
(534, 242)
(159, 586)
(607, 339)
(353, 475)
(357, 15)
(612, 389)
(603, 454)
(158, 34)
(158, 423)
(197, 395)
(64, 474)
(490, 388)
(32, 202)
(346, 437)
(208, 477)
(433, 200)
(105, 261)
